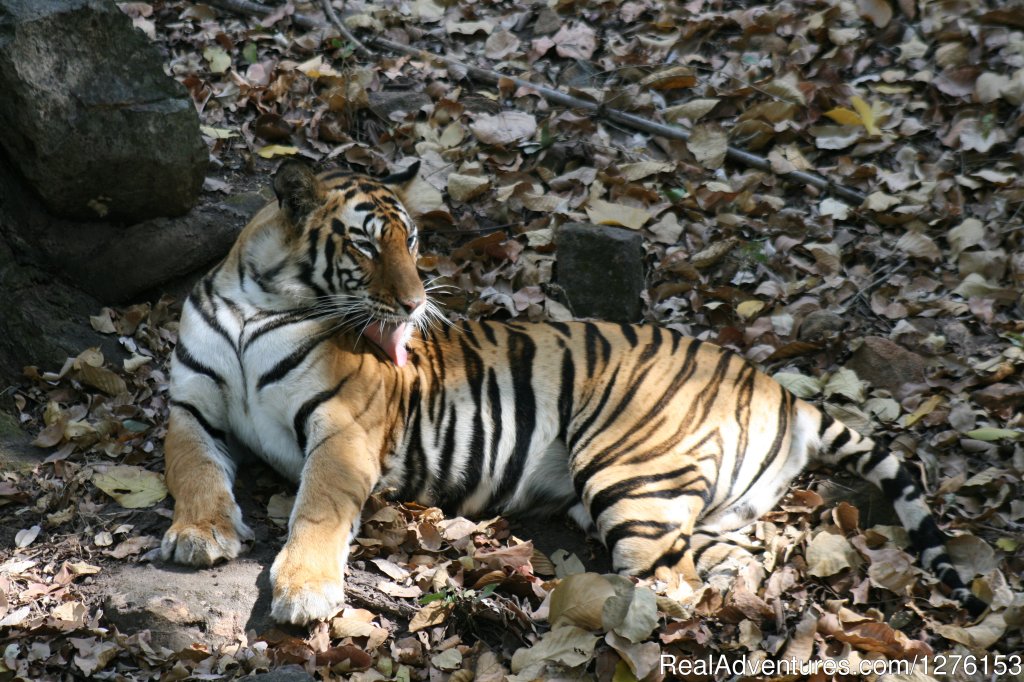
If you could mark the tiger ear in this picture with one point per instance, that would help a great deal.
(403, 176)
(297, 189)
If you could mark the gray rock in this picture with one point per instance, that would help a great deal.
(43, 321)
(89, 117)
(16, 452)
(112, 263)
(389, 101)
(290, 673)
(821, 324)
(118, 264)
(601, 270)
(887, 365)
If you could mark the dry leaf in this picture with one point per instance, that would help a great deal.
(603, 212)
(829, 554)
(504, 128)
(579, 599)
(133, 487)
(709, 144)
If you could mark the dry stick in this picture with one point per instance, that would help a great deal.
(554, 96)
(329, 11)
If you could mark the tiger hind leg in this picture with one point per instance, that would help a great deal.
(207, 525)
(650, 537)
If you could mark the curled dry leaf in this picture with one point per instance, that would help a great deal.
(568, 646)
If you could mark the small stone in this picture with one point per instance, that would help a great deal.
(389, 101)
(887, 365)
(821, 324)
(601, 271)
(288, 673)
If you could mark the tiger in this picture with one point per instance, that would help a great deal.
(315, 345)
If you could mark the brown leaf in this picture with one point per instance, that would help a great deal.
(575, 41)
(709, 144)
(434, 613)
(879, 12)
(504, 128)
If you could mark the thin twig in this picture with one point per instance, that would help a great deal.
(633, 121)
(340, 25)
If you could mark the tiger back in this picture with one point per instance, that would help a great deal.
(312, 345)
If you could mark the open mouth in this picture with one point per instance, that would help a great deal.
(391, 337)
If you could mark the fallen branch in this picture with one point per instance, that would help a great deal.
(635, 122)
(330, 14)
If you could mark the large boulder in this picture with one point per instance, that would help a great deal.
(89, 117)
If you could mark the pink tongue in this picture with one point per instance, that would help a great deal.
(391, 339)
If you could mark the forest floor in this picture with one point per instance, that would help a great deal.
(903, 316)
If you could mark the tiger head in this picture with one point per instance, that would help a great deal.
(349, 253)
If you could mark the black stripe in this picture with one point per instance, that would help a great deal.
(592, 338)
(443, 483)
(672, 558)
(415, 456)
(521, 353)
(827, 421)
(637, 529)
(475, 374)
(292, 360)
(781, 431)
(565, 393)
(301, 419)
(283, 320)
(895, 488)
(186, 358)
(210, 317)
(605, 498)
(488, 331)
(629, 333)
(878, 456)
(494, 403)
(211, 430)
(842, 439)
(562, 328)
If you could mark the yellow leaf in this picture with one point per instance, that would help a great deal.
(217, 57)
(272, 150)
(867, 115)
(1007, 544)
(217, 133)
(844, 116)
(603, 212)
(749, 309)
(133, 487)
(924, 410)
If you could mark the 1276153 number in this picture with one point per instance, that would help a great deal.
(969, 664)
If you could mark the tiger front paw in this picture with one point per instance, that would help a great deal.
(204, 543)
(302, 595)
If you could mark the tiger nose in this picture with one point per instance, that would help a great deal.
(411, 304)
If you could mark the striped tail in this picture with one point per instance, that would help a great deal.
(841, 446)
